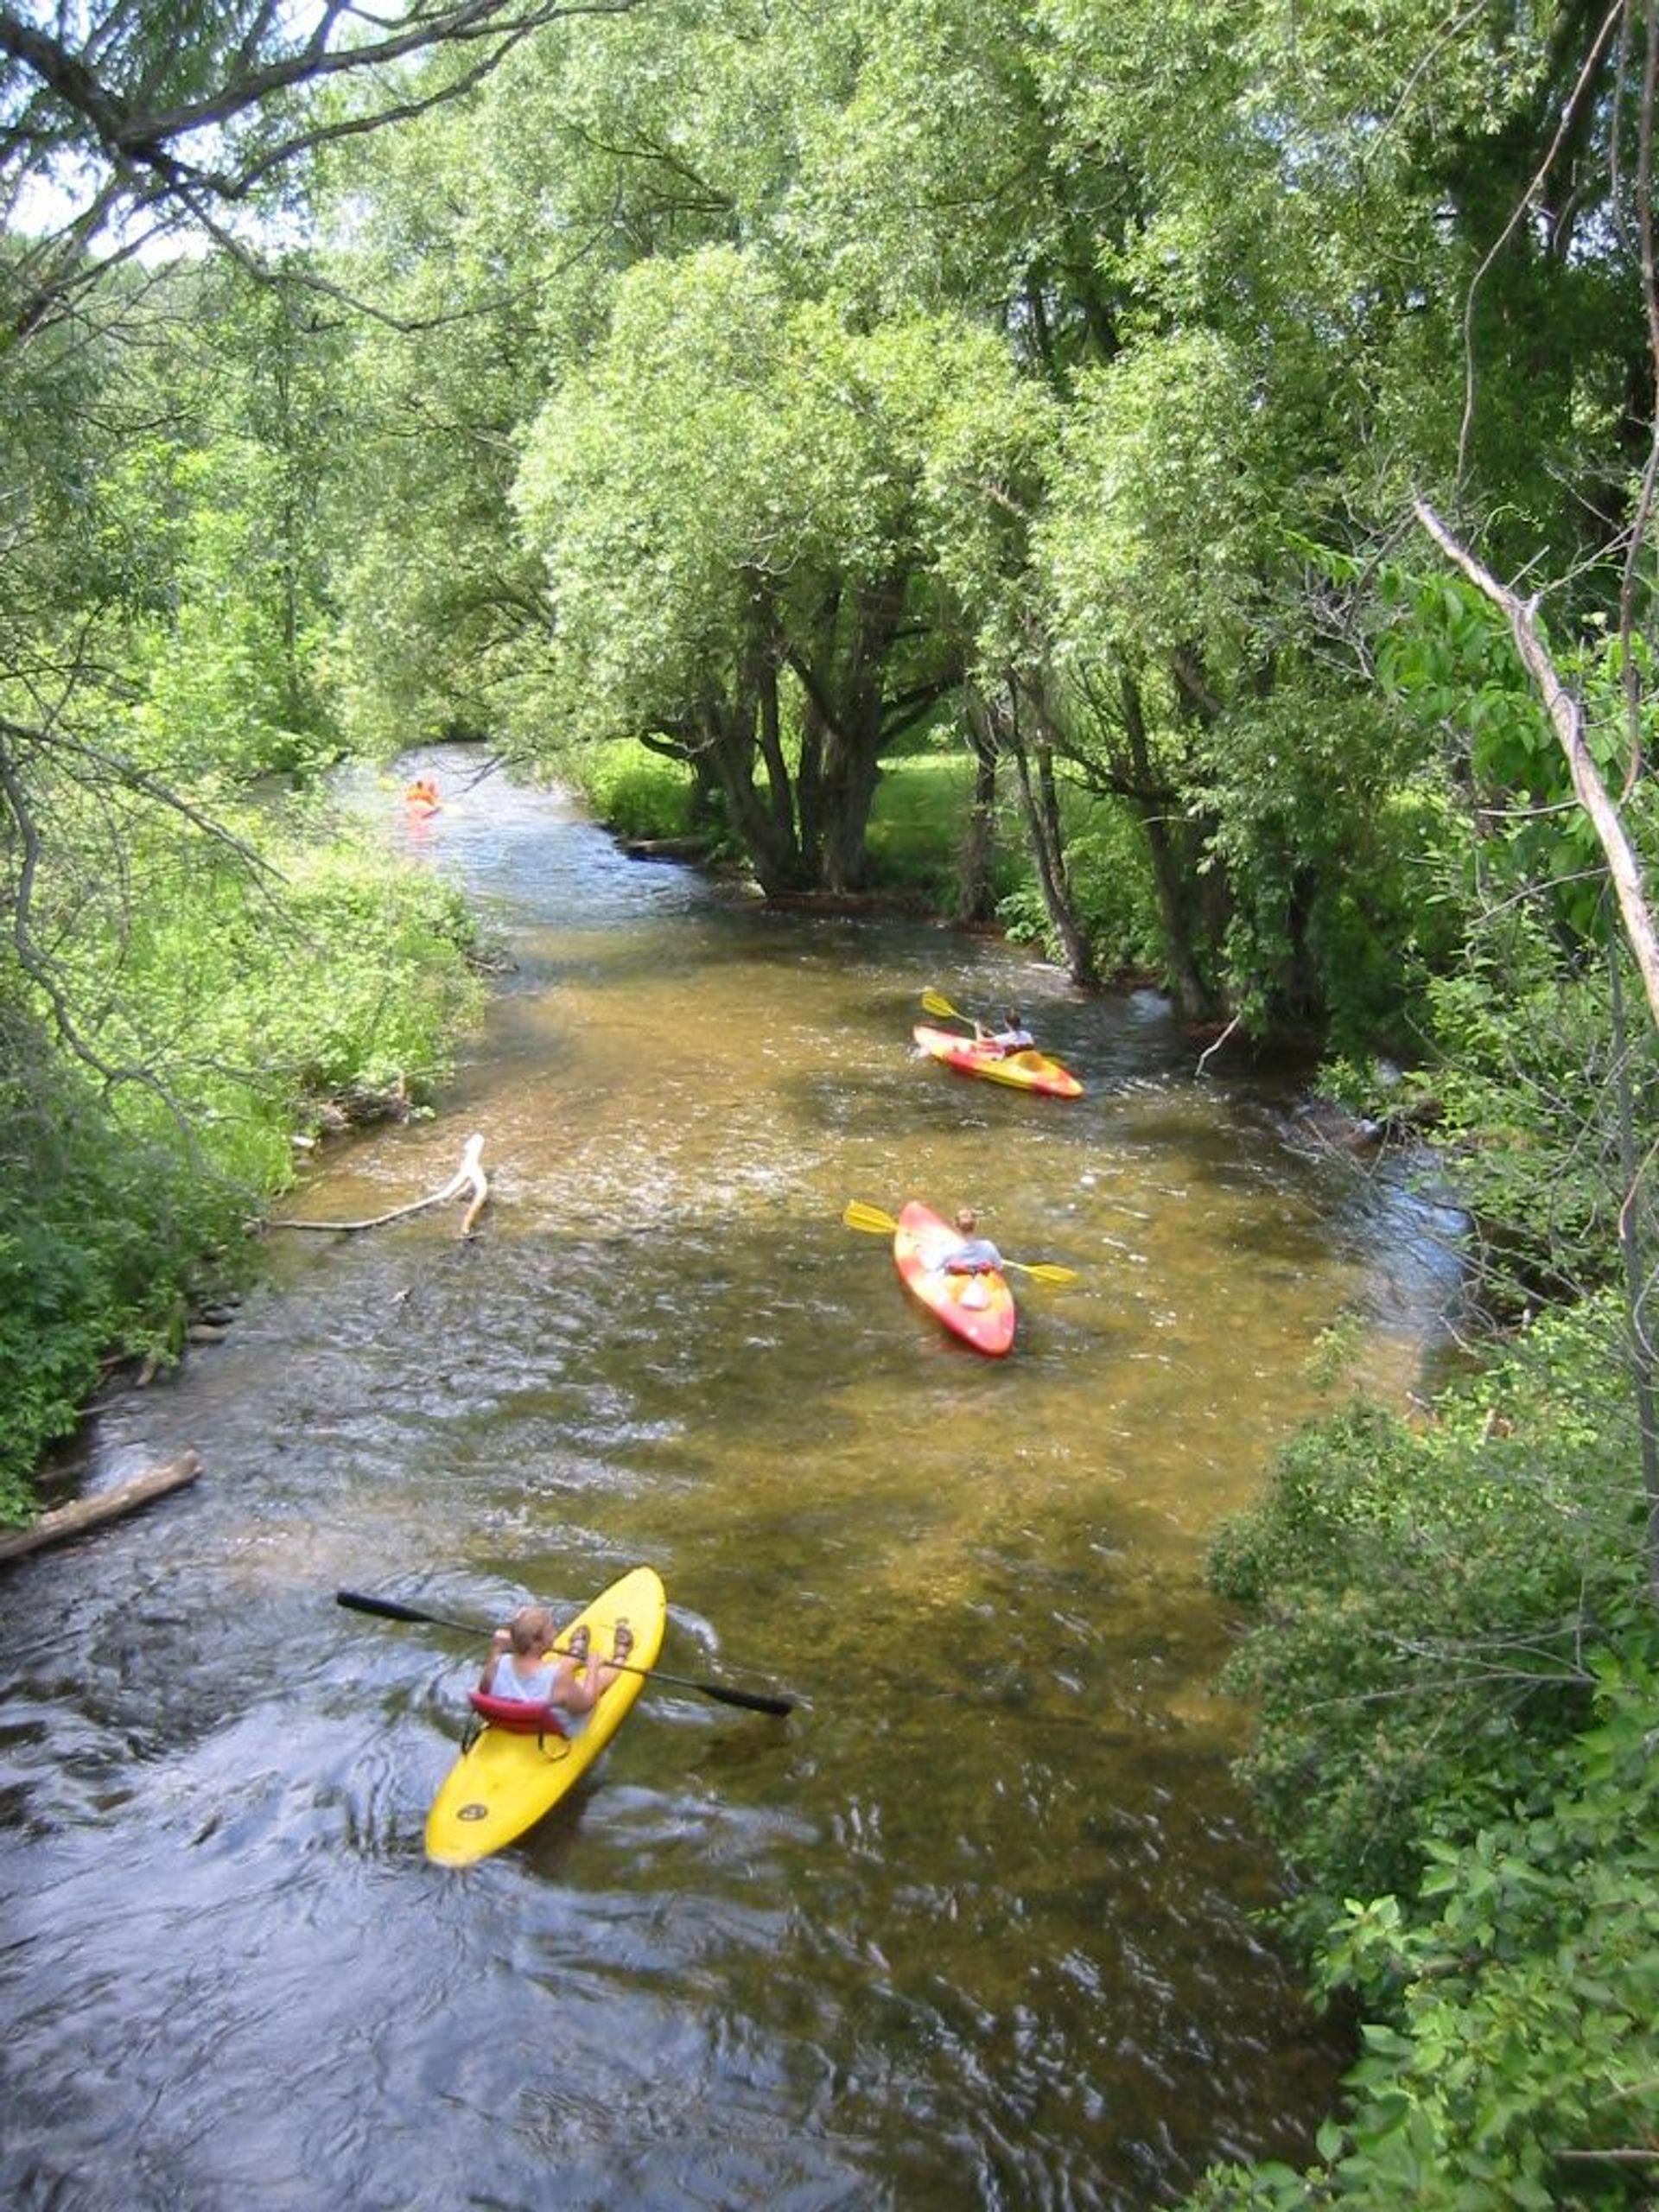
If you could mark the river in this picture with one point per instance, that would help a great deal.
(978, 1925)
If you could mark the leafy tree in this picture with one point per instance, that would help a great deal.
(133, 120)
(753, 515)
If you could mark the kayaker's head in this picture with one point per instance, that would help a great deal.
(530, 1629)
(1011, 1016)
(967, 1221)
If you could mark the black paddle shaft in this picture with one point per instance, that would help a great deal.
(392, 1609)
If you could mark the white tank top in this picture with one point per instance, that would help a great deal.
(534, 1689)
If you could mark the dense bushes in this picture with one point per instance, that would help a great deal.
(634, 792)
(1511, 2056)
(98, 1235)
(1452, 1659)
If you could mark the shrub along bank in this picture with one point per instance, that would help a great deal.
(133, 1161)
(1452, 1658)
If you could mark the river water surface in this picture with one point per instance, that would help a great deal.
(979, 1925)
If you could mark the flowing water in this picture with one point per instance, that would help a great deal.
(979, 1925)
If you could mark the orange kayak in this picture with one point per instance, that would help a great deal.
(977, 1308)
(1026, 1070)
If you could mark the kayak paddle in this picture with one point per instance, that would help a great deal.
(936, 1003)
(392, 1609)
(857, 1215)
(939, 1006)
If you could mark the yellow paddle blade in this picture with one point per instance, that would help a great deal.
(1045, 1270)
(935, 1002)
(857, 1215)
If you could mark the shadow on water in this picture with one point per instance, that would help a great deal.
(979, 1925)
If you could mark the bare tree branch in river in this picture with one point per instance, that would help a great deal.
(469, 1177)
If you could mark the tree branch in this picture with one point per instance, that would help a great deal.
(1567, 720)
(134, 152)
(469, 1177)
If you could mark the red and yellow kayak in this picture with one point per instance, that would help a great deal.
(1026, 1070)
(978, 1309)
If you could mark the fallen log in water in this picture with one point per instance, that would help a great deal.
(102, 1505)
(469, 1176)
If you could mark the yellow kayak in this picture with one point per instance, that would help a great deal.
(1027, 1071)
(505, 1781)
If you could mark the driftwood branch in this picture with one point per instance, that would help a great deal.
(1218, 1042)
(102, 1505)
(469, 1178)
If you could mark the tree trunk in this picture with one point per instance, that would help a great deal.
(1187, 985)
(1042, 806)
(843, 681)
(738, 733)
(852, 765)
(104, 1505)
(974, 862)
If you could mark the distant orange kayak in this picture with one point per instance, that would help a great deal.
(422, 795)
(979, 1308)
(1026, 1070)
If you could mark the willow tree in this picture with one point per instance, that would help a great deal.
(751, 509)
(128, 129)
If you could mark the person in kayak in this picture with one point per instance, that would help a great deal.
(524, 1665)
(1012, 1037)
(976, 1255)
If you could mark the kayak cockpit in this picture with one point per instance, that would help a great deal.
(519, 1716)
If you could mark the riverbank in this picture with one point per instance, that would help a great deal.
(327, 980)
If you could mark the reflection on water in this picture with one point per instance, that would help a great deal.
(977, 1925)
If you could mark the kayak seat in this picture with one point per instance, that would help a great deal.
(518, 1714)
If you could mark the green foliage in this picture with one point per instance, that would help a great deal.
(102, 1229)
(1511, 2053)
(1457, 1670)
(1111, 889)
(1525, 1082)
(1447, 653)
(1161, 517)
(917, 820)
(1073, 324)
(633, 790)
(736, 457)
(1421, 1598)
(763, 519)
(1519, 1075)
(224, 695)
(251, 994)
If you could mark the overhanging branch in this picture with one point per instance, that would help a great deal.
(1567, 720)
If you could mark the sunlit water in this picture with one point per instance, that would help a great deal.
(979, 1925)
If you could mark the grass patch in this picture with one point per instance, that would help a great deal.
(918, 823)
(634, 792)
